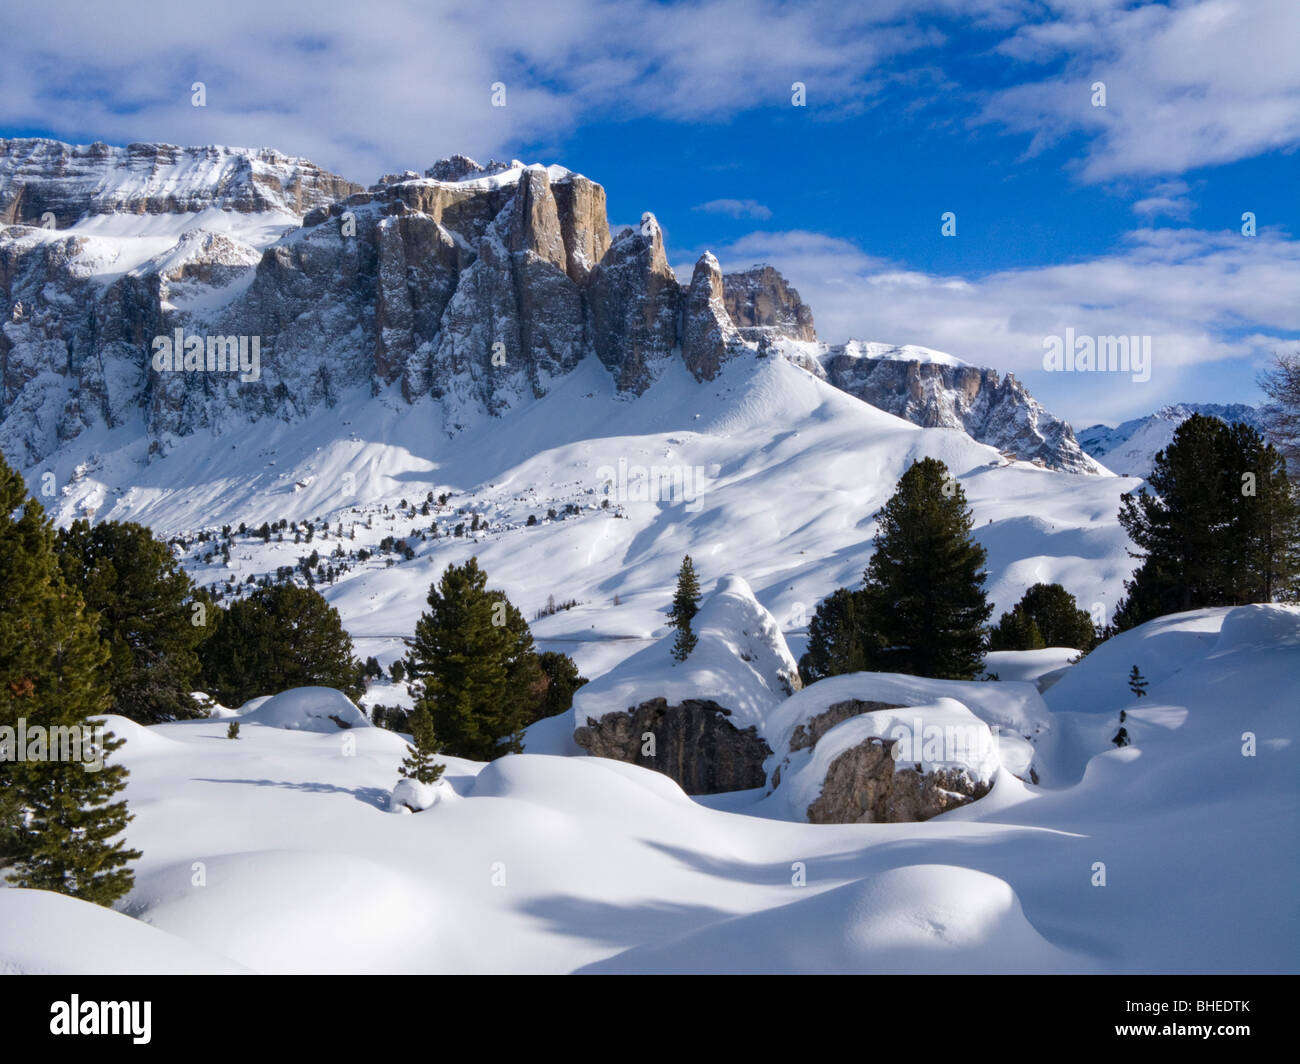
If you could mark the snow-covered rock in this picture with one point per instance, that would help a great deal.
(315, 709)
(699, 720)
(869, 747)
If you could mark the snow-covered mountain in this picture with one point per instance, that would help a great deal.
(1130, 448)
(476, 286)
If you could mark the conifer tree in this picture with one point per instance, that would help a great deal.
(686, 604)
(924, 591)
(1046, 616)
(562, 681)
(838, 637)
(1136, 683)
(275, 639)
(1016, 630)
(472, 665)
(1217, 525)
(419, 764)
(60, 826)
(146, 605)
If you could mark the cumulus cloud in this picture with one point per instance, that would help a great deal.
(1203, 297)
(1187, 84)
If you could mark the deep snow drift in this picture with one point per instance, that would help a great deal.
(276, 851)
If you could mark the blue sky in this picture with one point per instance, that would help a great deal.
(1123, 219)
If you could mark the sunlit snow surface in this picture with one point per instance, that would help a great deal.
(546, 863)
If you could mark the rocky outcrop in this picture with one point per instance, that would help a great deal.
(635, 303)
(474, 285)
(807, 732)
(693, 743)
(709, 337)
(73, 181)
(944, 392)
(762, 304)
(865, 786)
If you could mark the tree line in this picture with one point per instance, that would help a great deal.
(1216, 524)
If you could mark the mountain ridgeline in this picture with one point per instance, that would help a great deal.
(475, 286)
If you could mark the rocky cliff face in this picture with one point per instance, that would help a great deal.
(476, 286)
(924, 387)
(761, 304)
(946, 393)
(76, 182)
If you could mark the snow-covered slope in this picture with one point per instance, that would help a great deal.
(276, 851)
(1130, 448)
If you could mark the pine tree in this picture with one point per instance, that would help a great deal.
(1046, 616)
(1136, 683)
(59, 822)
(472, 665)
(146, 608)
(562, 681)
(924, 591)
(275, 639)
(1220, 525)
(838, 637)
(232, 732)
(419, 764)
(686, 604)
(1016, 630)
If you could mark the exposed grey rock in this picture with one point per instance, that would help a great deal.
(934, 394)
(694, 744)
(762, 304)
(807, 733)
(708, 335)
(863, 786)
(72, 181)
(634, 301)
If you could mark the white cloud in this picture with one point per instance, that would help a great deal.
(1205, 298)
(747, 208)
(1188, 85)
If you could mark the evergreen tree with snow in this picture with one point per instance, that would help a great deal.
(1136, 683)
(686, 604)
(924, 590)
(419, 764)
(61, 821)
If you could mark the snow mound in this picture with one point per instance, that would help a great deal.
(1159, 648)
(741, 661)
(51, 934)
(1042, 668)
(316, 709)
(412, 796)
(915, 919)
